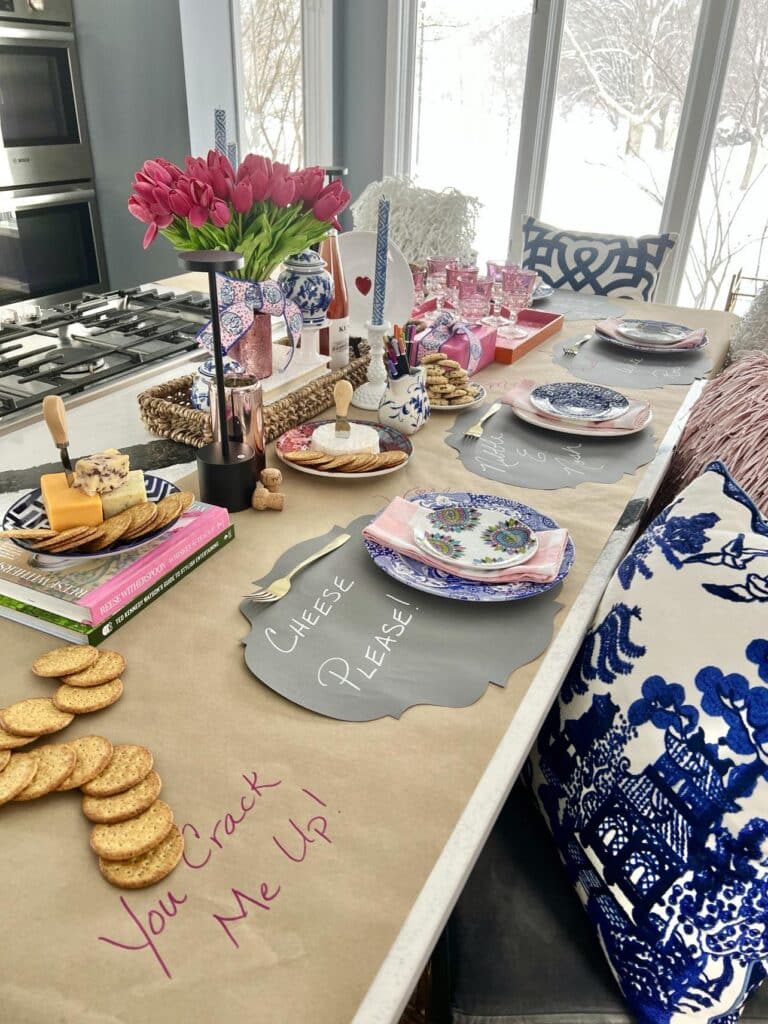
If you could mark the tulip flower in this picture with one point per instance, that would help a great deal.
(273, 204)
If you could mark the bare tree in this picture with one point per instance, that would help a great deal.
(272, 78)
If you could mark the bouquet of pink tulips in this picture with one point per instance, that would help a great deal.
(263, 210)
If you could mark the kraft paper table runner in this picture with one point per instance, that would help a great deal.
(385, 793)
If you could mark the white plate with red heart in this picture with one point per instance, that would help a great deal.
(358, 257)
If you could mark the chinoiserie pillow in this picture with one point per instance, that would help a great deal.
(617, 265)
(652, 767)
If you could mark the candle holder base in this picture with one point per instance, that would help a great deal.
(227, 481)
(369, 394)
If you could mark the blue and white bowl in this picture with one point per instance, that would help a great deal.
(308, 283)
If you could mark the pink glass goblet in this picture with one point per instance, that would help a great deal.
(518, 286)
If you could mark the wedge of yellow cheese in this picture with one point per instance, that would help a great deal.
(66, 506)
(131, 493)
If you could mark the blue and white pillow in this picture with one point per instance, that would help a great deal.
(652, 767)
(617, 265)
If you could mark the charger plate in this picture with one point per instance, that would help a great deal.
(442, 583)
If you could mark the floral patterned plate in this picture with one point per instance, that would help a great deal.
(576, 400)
(298, 439)
(442, 583)
(474, 538)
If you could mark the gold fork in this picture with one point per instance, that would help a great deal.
(571, 350)
(279, 588)
(477, 430)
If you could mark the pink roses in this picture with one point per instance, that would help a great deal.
(208, 193)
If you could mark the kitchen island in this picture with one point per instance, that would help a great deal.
(313, 845)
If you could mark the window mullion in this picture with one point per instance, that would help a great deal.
(402, 18)
(317, 74)
(698, 121)
(536, 121)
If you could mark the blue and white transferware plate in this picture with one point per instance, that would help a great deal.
(652, 332)
(442, 583)
(461, 536)
(573, 400)
(28, 512)
(543, 291)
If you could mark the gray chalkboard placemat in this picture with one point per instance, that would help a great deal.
(514, 452)
(350, 642)
(581, 305)
(603, 363)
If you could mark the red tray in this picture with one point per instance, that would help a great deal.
(538, 326)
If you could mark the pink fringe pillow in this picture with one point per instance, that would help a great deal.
(729, 422)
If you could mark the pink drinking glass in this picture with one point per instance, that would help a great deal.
(436, 270)
(496, 269)
(517, 286)
(419, 275)
(474, 296)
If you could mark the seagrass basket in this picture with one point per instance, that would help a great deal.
(166, 409)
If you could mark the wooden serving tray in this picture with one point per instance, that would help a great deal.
(538, 325)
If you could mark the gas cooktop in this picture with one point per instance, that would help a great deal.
(77, 346)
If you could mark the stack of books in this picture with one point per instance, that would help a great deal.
(86, 601)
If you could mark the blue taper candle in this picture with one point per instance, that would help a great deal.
(380, 278)
(220, 130)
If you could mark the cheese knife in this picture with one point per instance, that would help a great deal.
(56, 420)
(342, 396)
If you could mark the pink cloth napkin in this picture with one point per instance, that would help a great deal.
(612, 324)
(393, 529)
(634, 417)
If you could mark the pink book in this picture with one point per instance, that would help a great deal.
(94, 590)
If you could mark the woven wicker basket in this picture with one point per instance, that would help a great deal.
(166, 410)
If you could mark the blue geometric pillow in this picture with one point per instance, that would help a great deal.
(617, 265)
(652, 767)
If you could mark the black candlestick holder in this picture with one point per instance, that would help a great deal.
(226, 469)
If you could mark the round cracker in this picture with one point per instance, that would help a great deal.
(130, 763)
(122, 806)
(9, 741)
(125, 840)
(111, 530)
(141, 515)
(35, 716)
(82, 700)
(305, 456)
(387, 459)
(64, 660)
(186, 498)
(93, 755)
(168, 509)
(5, 757)
(28, 533)
(66, 537)
(73, 545)
(17, 774)
(151, 867)
(56, 761)
(108, 665)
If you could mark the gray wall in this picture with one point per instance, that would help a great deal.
(136, 106)
(361, 31)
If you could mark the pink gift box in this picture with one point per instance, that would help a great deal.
(473, 346)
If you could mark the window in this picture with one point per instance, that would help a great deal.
(467, 99)
(610, 109)
(620, 89)
(731, 227)
(272, 92)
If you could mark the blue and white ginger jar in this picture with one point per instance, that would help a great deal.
(308, 283)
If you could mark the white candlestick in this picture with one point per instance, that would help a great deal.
(369, 395)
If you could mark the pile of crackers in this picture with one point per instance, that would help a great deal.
(134, 522)
(362, 462)
(133, 835)
(447, 383)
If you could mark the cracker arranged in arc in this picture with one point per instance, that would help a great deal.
(122, 806)
(10, 741)
(81, 700)
(30, 533)
(128, 839)
(130, 763)
(56, 761)
(106, 666)
(168, 509)
(5, 757)
(186, 498)
(151, 867)
(93, 755)
(35, 716)
(110, 531)
(68, 538)
(142, 516)
(16, 775)
(63, 660)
